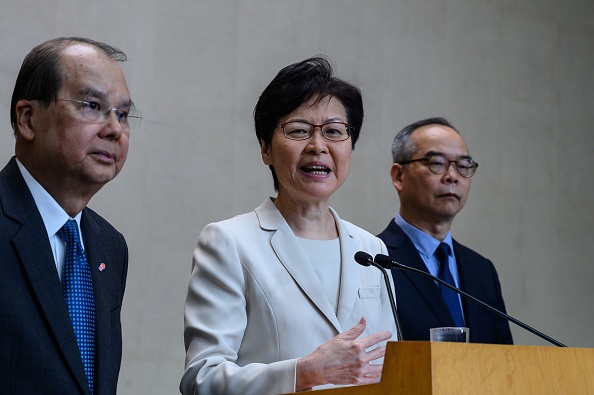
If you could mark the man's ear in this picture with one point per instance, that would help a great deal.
(265, 152)
(24, 119)
(397, 173)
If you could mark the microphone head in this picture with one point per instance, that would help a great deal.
(384, 261)
(363, 258)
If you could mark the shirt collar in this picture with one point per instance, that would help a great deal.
(53, 215)
(424, 243)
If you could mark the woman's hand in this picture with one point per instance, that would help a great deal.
(343, 360)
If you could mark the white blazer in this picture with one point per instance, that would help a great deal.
(255, 305)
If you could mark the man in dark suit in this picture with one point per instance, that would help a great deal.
(71, 113)
(431, 172)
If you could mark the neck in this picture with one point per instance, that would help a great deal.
(72, 201)
(70, 193)
(309, 220)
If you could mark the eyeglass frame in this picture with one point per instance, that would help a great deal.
(349, 130)
(428, 158)
(107, 111)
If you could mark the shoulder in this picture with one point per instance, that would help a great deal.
(97, 220)
(230, 234)
(463, 251)
(237, 224)
(16, 200)
(395, 238)
(100, 227)
(265, 217)
(469, 259)
(356, 231)
(364, 240)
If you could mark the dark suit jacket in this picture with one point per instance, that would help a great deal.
(420, 304)
(38, 349)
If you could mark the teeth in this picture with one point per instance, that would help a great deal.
(316, 170)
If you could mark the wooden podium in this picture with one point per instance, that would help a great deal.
(421, 368)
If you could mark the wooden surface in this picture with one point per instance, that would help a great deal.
(465, 368)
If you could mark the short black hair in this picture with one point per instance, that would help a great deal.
(41, 76)
(298, 83)
(403, 147)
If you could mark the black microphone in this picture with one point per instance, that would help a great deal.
(388, 263)
(365, 259)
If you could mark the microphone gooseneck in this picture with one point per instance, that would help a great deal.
(385, 262)
(364, 259)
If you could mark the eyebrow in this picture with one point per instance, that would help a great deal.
(437, 153)
(328, 120)
(92, 92)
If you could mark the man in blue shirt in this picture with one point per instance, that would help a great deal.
(432, 173)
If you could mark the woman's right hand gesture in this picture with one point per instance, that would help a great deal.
(343, 360)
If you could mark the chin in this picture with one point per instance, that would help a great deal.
(101, 178)
(321, 193)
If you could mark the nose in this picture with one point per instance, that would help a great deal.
(112, 128)
(451, 174)
(316, 143)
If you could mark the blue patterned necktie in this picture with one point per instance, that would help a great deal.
(77, 284)
(449, 296)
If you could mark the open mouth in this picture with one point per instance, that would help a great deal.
(316, 170)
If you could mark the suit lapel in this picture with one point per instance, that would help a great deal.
(293, 258)
(466, 270)
(96, 256)
(34, 250)
(349, 279)
(403, 251)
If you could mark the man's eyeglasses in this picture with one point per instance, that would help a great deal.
(94, 112)
(331, 131)
(439, 165)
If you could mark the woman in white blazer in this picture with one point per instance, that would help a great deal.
(276, 302)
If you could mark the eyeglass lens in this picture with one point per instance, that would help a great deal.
(439, 165)
(333, 131)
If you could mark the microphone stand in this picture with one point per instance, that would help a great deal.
(393, 264)
(365, 260)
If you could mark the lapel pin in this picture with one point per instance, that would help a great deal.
(102, 267)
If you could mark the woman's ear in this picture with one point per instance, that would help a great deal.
(265, 152)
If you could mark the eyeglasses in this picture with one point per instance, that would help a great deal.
(331, 131)
(439, 164)
(94, 112)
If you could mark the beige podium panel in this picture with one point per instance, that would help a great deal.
(421, 368)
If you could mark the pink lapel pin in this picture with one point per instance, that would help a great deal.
(102, 267)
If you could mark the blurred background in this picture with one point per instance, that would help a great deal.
(515, 77)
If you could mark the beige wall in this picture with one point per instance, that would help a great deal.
(514, 77)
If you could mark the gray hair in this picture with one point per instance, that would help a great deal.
(403, 147)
